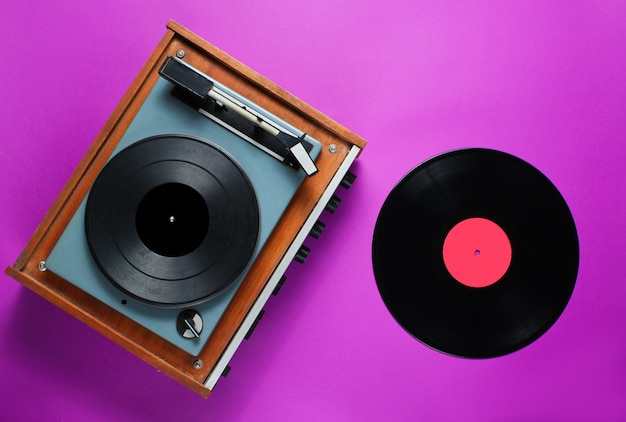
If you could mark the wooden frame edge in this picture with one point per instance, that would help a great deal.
(256, 78)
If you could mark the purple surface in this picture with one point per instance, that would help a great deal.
(540, 80)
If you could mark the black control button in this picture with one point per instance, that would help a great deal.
(317, 229)
(348, 180)
(279, 285)
(254, 324)
(302, 254)
(332, 205)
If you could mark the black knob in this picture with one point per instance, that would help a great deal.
(317, 229)
(226, 371)
(189, 324)
(302, 254)
(279, 285)
(332, 205)
(254, 324)
(348, 180)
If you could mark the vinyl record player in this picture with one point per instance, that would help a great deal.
(182, 218)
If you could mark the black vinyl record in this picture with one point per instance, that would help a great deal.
(475, 253)
(172, 220)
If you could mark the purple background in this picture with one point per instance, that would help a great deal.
(541, 80)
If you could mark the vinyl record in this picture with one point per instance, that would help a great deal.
(475, 253)
(172, 220)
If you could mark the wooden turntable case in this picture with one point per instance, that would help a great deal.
(339, 148)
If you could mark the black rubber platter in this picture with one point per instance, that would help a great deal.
(418, 289)
(172, 220)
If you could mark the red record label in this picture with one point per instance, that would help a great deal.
(477, 252)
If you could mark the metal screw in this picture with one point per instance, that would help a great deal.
(332, 148)
(197, 364)
(41, 265)
(180, 54)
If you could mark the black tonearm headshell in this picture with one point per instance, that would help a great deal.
(199, 91)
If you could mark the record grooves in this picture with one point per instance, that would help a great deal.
(172, 220)
(492, 199)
